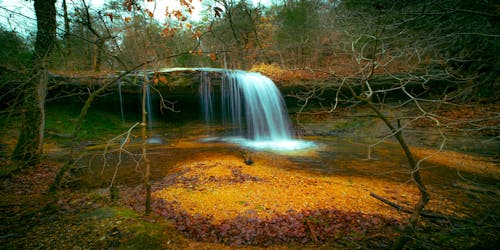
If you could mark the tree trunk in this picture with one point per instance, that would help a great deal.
(239, 46)
(144, 123)
(67, 39)
(29, 146)
(416, 177)
(98, 47)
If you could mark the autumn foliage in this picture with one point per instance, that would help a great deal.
(472, 118)
(280, 74)
(229, 202)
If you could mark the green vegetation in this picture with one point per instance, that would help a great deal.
(14, 52)
(97, 126)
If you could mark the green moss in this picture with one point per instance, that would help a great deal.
(182, 82)
(97, 125)
(8, 169)
(100, 213)
(148, 235)
(125, 212)
(143, 240)
(137, 232)
(109, 212)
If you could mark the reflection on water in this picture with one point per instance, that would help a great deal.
(266, 145)
(340, 163)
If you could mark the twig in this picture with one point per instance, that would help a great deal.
(425, 214)
(313, 234)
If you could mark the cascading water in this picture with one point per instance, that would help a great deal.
(149, 109)
(122, 113)
(253, 106)
(254, 98)
(206, 98)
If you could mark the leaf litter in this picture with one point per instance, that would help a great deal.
(227, 201)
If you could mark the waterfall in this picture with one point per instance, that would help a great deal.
(121, 101)
(149, 109)
(253, 98)
(206, 98)
(253, 107)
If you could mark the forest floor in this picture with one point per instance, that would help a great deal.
(206, 197)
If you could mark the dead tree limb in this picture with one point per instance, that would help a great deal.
(425, 214)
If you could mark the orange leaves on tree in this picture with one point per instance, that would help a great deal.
(265, 19)
(150, 13)
(110, 15)
(187, 4)
(169, 32)
(277, 73)
(188, 26)
(178, 14)
(129, 4)
(166, 31)
(127, 19)
(249, 45)
(197, 34)
(160, 79)
(213, 56)
(198, 52)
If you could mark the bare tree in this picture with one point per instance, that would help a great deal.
(408, 51)
(29, 147)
